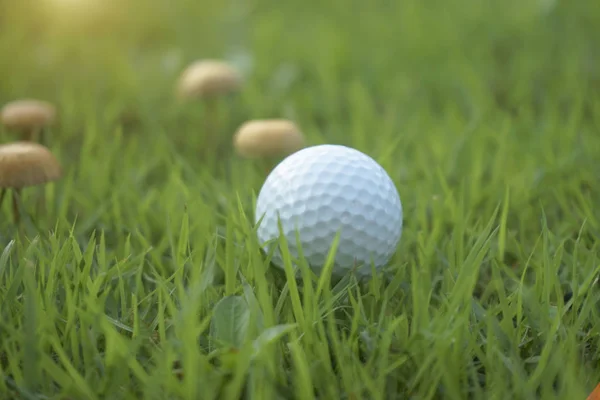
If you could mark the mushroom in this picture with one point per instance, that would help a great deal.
(24, 164)
(208, 80)
(265, 138)
(29, 117)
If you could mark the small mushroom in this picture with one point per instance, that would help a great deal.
(24, 164)
(28, 117)
(209, 81)
(265, 138)
(208, 78)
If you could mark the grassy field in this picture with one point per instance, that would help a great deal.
(143, 277)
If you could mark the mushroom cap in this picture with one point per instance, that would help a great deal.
(27, 164)
(27, 114)
(268, 138)
(207, 78)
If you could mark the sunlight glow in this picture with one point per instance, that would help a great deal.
(74, 14)
(72, 5)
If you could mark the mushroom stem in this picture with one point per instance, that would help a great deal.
(15, 197)
(41, 134)
(212, 120)
(28, 135)
(266, 166)
(41, 202)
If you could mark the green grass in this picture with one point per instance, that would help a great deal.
(144, 278)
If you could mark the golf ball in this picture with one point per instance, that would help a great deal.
(325, 189)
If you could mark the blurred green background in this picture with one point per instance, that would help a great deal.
(413, 53)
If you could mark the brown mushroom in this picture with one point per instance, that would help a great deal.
(264, 138)
(24, 164)
(208, 78)
(28, 117)
(209, 81)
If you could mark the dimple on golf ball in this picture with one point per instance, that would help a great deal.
(325, 189)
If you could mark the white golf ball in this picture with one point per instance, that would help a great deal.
(322, 190)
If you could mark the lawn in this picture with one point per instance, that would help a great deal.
(142, 276)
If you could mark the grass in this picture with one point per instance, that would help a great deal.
(144, 278)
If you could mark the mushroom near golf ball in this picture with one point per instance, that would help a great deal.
(208, 78)
(28, 116)
(322, 190)
(24, 164)
(268, 138)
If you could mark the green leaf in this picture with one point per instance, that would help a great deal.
(271, 335)
(229, 323)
